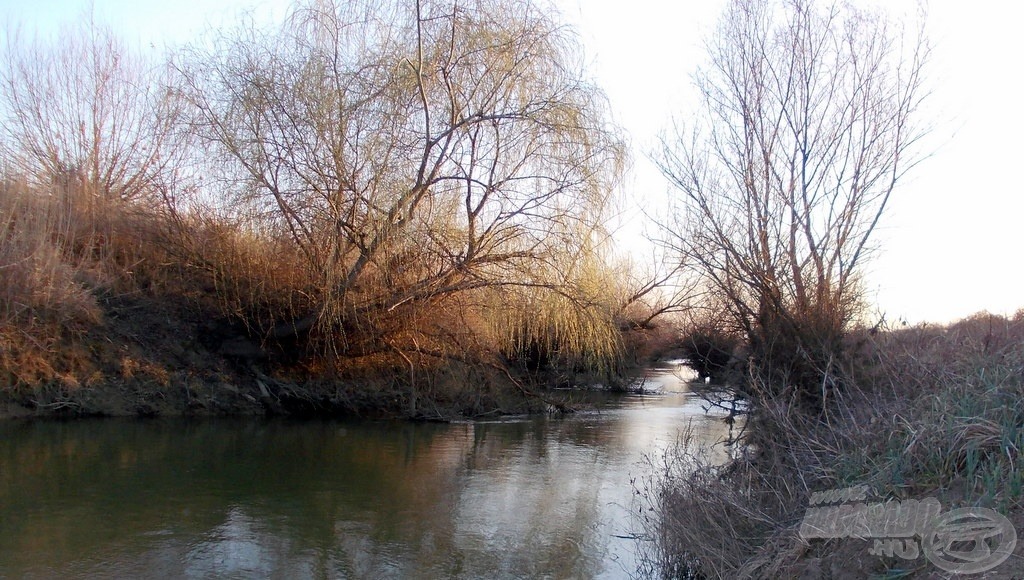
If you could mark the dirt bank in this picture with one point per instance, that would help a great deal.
(166, 356)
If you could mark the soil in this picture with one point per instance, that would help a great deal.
(156, 356)
(144, 358)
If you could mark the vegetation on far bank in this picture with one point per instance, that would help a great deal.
(369, 206)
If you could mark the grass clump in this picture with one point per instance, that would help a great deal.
(932, 411)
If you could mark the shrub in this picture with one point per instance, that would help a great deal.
(709, 351)
(930, 412)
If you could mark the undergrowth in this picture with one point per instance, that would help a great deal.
(934, 412)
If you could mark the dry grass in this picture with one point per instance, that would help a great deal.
(42, 270)
(64, 252)
(955, 418)
(44, 290)
(706, 519)
(934, 412)
(252, 276)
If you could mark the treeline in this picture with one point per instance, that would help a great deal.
(410, 191)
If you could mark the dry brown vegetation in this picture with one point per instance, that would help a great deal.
(935, 412)
(372, 206)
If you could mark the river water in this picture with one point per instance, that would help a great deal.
(245, 498)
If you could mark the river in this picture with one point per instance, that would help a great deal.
(524, 497)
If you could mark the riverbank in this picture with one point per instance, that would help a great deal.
(118, 308)
(147, 355)
(936, 414)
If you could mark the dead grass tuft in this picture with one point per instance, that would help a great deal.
(933, 412)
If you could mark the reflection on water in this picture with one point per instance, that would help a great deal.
(252, 498)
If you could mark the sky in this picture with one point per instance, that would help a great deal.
(950, 244)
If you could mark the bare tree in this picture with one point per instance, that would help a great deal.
(86, 109)
(410, 151)
(809, 121)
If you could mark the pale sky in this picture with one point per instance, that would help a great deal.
(950, 244)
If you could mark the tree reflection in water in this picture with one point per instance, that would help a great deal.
(263, 498)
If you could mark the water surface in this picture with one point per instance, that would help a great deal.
(242, 498)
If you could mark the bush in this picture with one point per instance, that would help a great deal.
(709, 351)
(929, 412)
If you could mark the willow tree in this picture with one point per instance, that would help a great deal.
(809, 120)
(411, 152)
